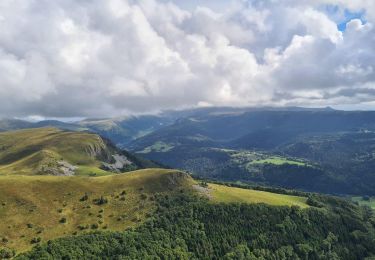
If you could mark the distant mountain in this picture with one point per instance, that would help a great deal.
(121, 131)
(259, 129)
(14, 124)
(336, 146)
(59, 124)
(124, 130)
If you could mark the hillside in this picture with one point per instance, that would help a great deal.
(262, 167)
(77, 205)
(185, 226)
(57, 152)
(60, 206)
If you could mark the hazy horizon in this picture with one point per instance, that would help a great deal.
(36, 119)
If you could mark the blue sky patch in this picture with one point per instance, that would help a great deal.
(350, 16)
(343, 16)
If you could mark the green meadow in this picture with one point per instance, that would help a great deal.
(222, 193)
(277, 161)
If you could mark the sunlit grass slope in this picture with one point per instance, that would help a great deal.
(41, 208)
(221, 193)
(34, 151)
(48, 207)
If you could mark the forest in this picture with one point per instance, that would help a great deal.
(190, 227)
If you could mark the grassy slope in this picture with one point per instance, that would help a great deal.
(43, 201)
(221, 193)
(91, 171)
(37, 200)
(278, 161)
(28, 151)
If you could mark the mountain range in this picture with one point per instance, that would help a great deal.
(320, 149)
(71, 190)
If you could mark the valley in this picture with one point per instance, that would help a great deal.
(328, 151)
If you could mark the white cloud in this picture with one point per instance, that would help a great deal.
(68, 58)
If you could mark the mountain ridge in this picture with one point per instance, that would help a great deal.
(61, 152)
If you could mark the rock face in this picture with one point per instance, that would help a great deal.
(120, 162)
(66, 168)
(109, 156)
(100, 150)
(205, 191)
(58, 168)
(178, 178)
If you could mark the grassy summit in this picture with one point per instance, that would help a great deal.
(52, 151)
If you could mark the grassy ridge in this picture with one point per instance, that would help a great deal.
(73, 146)
(221, 193)
(32, 151)
(34, 206)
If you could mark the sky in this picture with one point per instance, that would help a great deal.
(94, 58)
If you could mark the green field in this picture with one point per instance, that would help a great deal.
(277, 161)
(91, 171)
(249, 159)
(34, 206)
(159, 146)
(221, 193)
(361, 201)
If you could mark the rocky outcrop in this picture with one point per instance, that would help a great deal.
(120, 162)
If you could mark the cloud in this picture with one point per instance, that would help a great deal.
(69, 58)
